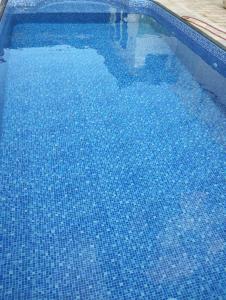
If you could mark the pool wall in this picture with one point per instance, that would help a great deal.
(208, 50)
(211, 53)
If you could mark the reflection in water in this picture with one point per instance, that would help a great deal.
(138, 41)
(136, 37)
(137, 45)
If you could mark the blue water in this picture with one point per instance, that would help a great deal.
(112, 163)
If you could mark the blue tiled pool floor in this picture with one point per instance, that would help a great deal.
(112, 175)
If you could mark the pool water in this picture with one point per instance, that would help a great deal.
(112, 163)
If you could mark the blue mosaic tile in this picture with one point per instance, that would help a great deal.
(112, 156)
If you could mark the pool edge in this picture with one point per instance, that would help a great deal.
(218, 44)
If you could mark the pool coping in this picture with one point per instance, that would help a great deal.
(191, 25)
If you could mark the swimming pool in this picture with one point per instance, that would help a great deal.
(112, 154)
